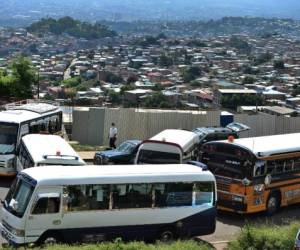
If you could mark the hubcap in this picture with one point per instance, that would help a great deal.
(166, 236)
(272, 204)
(50, 241)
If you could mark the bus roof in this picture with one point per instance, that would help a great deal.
(264, 146)
(50, 148)
(34, 105)
(17, 116)
(117, 174)
(183, 138)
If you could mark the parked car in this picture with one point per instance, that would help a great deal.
(207, 134)
(297, 241)
(124, 154)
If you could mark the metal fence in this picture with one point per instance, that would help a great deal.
(91, 125)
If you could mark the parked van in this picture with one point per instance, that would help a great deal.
(169, 147)
(92, 203)
(41, 150)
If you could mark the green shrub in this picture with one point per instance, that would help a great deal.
(266, 237)
(119, 245)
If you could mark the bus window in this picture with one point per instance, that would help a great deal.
(297, 164)
(280, 166)
(87, 197)
(289, 165)
(98, 196)
(155, 157)
(179, 194)
(47, 205)
(203, 193)
(24, 157)
(271, 167)
(260, 168)
(132, 196)
(173, 194)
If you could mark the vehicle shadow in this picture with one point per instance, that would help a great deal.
(284, 216)
(6, 182)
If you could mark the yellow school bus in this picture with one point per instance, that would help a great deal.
(255, 174)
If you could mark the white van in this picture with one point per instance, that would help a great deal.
(41, 150)
(170, 146)
(92, 203)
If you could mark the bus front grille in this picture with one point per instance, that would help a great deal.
(223, 184)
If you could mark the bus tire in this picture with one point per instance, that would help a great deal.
(273, 203)
(167, 235)
(50, 239)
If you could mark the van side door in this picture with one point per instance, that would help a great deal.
(44, 213)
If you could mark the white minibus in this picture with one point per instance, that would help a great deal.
(92, 203)
(21, 118)
(41, 150)
(171, 146)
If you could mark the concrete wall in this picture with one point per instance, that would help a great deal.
(91, 126)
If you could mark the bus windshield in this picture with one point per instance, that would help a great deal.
(8, 137)
(18, 197)
(227, 160)
(157, 157)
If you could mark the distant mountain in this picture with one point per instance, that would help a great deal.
(27, 11)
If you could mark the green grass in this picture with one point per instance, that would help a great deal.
(80, 147)
(118, 245)
(266, 237)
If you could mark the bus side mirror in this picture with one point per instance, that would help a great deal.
(14, 204)
(198, 164)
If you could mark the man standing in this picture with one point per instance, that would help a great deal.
(113, 136)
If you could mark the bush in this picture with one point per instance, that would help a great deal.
(119, 245)
(266, 237)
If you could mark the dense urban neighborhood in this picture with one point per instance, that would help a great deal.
(211, 108)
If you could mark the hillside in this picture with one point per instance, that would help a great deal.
(71, 27)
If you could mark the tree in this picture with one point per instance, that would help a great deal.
(132, 79)
(249, 80)
(191, 73)
(233, 101)
(157, 100)
(22, 77)
(114, 97)
(239, 44)
(165, 61)
(263, 58)
(279, 64)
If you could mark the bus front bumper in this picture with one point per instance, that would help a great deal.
(10, 238)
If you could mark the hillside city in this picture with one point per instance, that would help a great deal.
(210, 107)
(257, 72)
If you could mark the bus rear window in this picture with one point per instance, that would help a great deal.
(157, 157)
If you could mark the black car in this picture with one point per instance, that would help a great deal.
(207, 134)
(124, 154)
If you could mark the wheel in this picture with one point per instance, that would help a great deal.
(166, 235)
(50, 239)
(272, 204)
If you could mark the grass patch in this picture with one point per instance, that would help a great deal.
(119, 245)
(266, 237)
(80, 147)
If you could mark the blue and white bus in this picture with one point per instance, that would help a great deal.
(93, 203)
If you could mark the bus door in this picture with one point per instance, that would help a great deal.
(44, 213)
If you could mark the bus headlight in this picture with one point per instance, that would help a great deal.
(258, 189)
(10, 163)
(237, 198)
(18, 232)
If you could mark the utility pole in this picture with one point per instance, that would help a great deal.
(38, 84)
